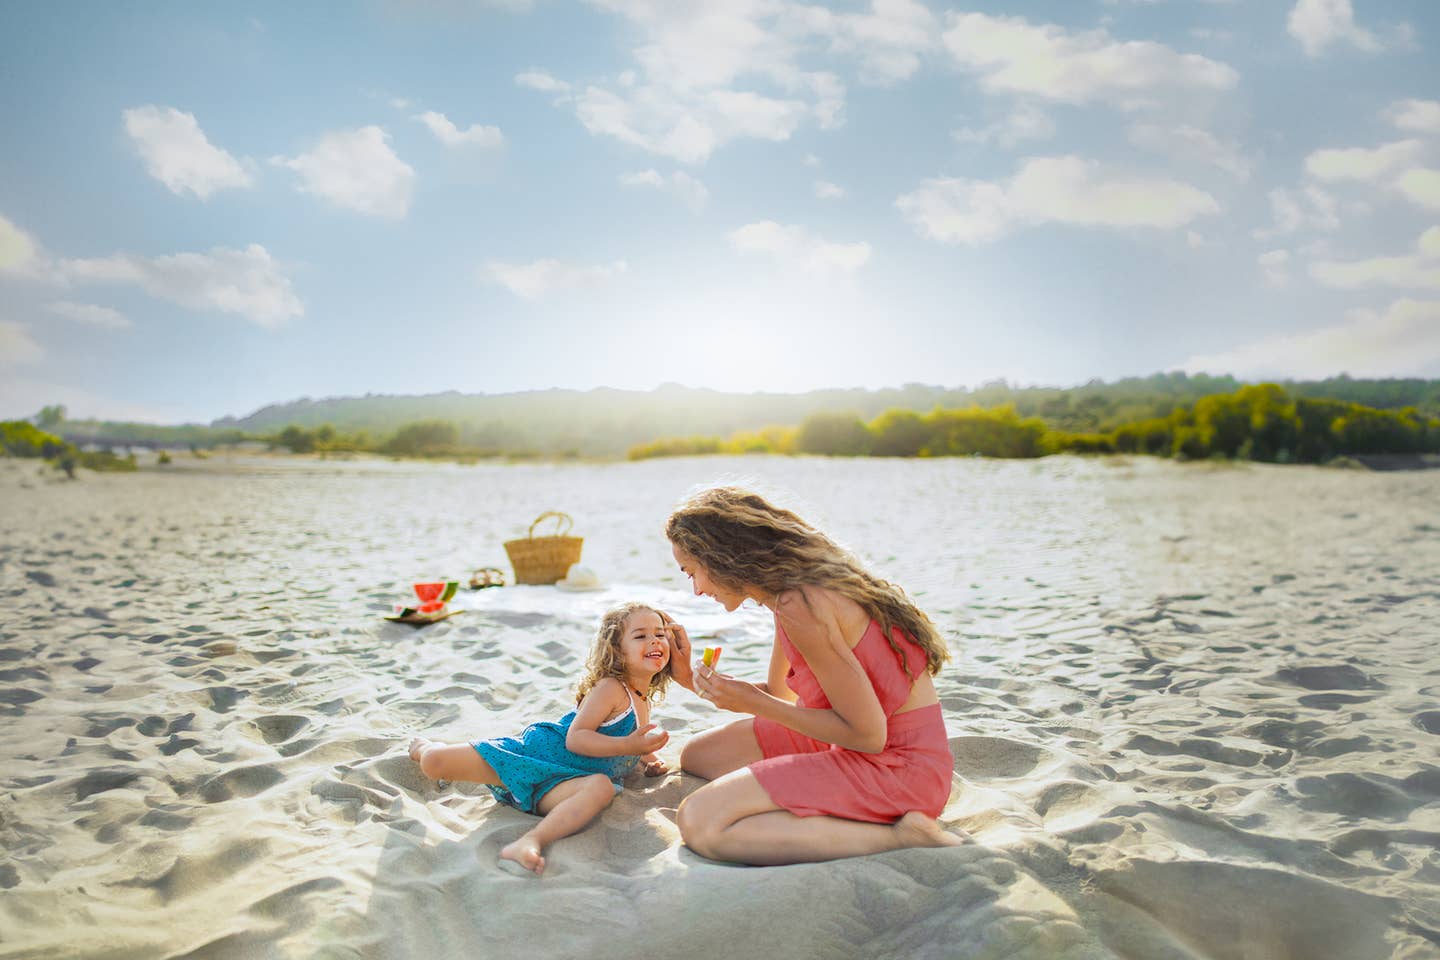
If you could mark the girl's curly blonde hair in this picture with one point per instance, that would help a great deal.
(607, 660)
(744, 540)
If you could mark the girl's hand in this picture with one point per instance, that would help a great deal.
(653, 766)
(680, 651)
(724, 691)
(648, 739)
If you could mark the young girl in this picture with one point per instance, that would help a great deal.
(567, 772)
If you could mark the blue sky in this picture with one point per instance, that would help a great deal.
(206, 208)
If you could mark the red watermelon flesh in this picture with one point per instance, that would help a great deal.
(439, 591)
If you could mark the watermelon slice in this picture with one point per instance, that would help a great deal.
(434, 598)
(421, 609)
(439, 590)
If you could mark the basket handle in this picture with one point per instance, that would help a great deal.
(563, 523)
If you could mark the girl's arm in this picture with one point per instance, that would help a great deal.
(605, 700)
(855, 719)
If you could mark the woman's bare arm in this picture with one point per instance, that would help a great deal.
(855, 719)
(775, 685)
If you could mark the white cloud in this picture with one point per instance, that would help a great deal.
(1402, 341)
(1318, 24)
(825, 190)
(796, 246)
(92, 314)
(356, 170)
(680, 184)
(452, 136)
(18, 253)
(1416, 116)
(687, 129)
(889, 39)
(1068, 190)
(713, 71)
(1309, 207)
(1276, 266)
(810, 160)
(178, 154)
(542, 81)
(1421, 186)
(16, 346)
(1025, 122)
(1182, 143)
(536, 279)
(1360, 163)
(1420, 269)
(248, 283)
(1013, 56)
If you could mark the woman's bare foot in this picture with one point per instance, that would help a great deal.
(917, 830)
(417, 747)
(526, 852)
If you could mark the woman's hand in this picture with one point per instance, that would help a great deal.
(724, 691)
(647, 739)
(679, 651)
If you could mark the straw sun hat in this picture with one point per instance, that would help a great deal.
(580, 578)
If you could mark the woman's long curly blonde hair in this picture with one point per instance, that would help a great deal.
(607, 660)
(744, 540)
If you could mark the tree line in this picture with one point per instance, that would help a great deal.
(1262, 422)
(1171, 414)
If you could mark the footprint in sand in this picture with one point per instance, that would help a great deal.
(276, 728)
(1068, 804)
(99, 781)
(995, 758)
(1358, 795)
(1429, 721)
(1340, 676)
(240, 782)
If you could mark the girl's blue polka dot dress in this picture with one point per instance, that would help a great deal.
(535, 762)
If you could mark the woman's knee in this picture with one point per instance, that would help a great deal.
(716, 752)
(693, 754)
(697, 820)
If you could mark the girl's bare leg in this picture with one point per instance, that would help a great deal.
(451, 761)
(718, 751)
(566, 808)
(734, 819)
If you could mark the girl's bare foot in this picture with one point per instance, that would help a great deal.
(526, 852)
(417, 747)
(917, 830)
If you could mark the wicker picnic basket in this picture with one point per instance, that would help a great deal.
(545, 559)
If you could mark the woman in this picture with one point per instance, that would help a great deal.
(845, 750)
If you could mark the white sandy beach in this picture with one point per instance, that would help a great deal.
(1195, 713)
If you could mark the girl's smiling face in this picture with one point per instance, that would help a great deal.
(644, 645)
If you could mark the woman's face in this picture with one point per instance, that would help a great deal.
(644, 645)
(705, 586)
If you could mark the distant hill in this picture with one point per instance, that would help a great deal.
(608, 422)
